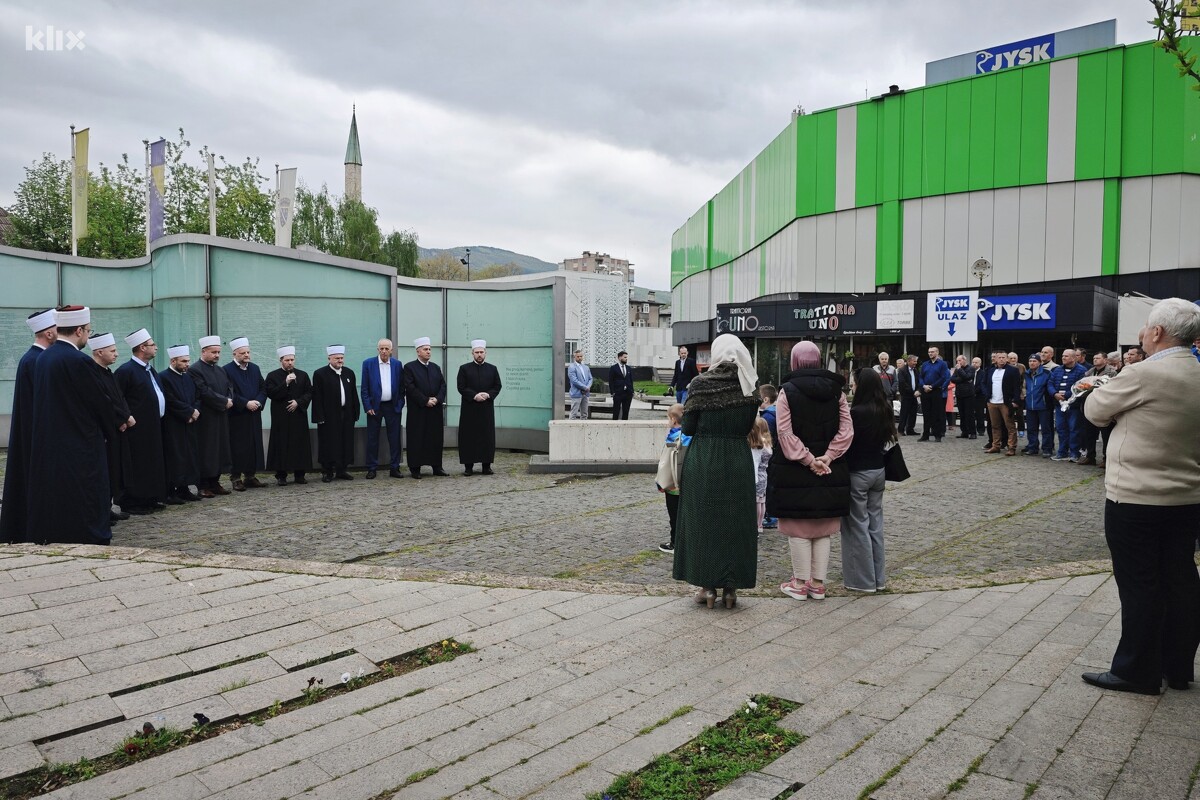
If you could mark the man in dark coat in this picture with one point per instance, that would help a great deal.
(963, 378)
(334, 411)
(104, 353)
(245, 417)
(478, 384)
(212, 428)
(620, 386)
(1002, 384)
(685, 370)
(290, 391)
(907, 386)
(68, 493)
(143, 473)
(20, 432)
(425, 392)
(179, 425)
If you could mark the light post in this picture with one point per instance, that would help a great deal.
(981, 269)
(467, 262)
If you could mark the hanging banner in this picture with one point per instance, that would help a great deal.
(79, 186)
(285, 206)
(157, 189)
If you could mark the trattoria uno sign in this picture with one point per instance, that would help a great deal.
(813, 318)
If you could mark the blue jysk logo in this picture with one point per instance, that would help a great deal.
(1016, 54)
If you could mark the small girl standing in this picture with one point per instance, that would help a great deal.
(759, 440)
(674, 435)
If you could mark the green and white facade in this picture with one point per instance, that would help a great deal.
(1078, 173)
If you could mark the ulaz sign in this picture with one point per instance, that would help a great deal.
(952, 317)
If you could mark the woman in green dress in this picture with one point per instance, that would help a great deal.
(717, 531)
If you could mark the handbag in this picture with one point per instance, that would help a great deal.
(894, 468)
(670, 467)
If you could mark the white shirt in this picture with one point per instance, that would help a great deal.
(998, 385)
(385, 380)
(341, 384)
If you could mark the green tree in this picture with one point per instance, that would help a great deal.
(1167, 14)
(41, 215)
(316, 221)
(361, 227)
(400, 251)
(244, 210)
(444, 266)
(116, 213)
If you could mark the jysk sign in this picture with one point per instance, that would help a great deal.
(952, 316)
(1017, 312)
(1029, 51)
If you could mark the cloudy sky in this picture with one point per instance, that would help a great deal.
(542, 126)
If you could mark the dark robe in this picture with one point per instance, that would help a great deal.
(477, 421)
(113, 433)
(212, 429)
(245, 426)
(334, 421)
(20, 442)
(290, 449)
(423, 428)
(143, 473)
(179, 432)
(68, 493)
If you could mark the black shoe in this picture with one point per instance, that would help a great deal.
(470, 470)
(172, 500)
(923, 439)
(441, 473)
(937, 440)
(187, 494)
(1106, 680)
(370, 475)
(117, 516)
(416, 476)
(327, 477)
(300, 479)
(487, 469)
(137, 511)
(344, 476)
(1179, 685)
(972, 436)
(281, 481)
(963, 436)
(667, 547)
(395, 473)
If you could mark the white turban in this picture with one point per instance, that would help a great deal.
(728, 349)
(239, 343)
(137, 337)
(478, 343)
(178, 350)
(101, 340)
(422, 342)
(335, 350)
(210, 341)
(42, 320)
(73, 318)
(286, 350)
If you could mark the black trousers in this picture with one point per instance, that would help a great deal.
(621, 406)
(933, 408)
(908, 414)
(672, 511)
(1152, 549)
(967, 415)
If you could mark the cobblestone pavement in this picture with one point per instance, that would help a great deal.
(963, 518)
(972, 694)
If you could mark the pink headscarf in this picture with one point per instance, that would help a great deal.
(805, 355)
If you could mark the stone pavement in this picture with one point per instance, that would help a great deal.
(965, 518)
(908, 693)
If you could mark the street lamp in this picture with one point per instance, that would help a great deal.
(467, 262)
(981, 269)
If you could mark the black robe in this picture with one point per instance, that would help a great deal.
(113, 433)
(423, 427)
(68, 493)
(20, 442)
(290, 449)
(143, 474)
(477, 421)
(212, 429)
(179, 432)
(245, 426)
(334, 421)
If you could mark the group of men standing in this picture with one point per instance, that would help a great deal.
(84, 437)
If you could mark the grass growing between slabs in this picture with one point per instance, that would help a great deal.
(746, 741)
(150, 741)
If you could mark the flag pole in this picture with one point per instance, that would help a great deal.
(212, 197)
(146, 149)
(74, 239)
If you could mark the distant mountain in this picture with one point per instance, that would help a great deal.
(487, 256)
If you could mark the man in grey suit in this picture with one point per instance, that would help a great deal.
(580, 379)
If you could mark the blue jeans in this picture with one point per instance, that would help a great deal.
(1067, 425)
(1041, 420)
(681, 396)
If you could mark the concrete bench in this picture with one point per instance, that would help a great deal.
(619, 446)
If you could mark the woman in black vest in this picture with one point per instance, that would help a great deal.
(808, 483)
(716, 542)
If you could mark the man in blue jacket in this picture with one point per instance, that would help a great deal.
(382, 391)
(580, 379)
(1062, 378)
(1038, 414)
(931, 391)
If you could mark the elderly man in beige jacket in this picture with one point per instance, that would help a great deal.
(1152, 510)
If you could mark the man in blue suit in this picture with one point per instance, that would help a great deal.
(580, 379)
(383, 399)
(931, 391)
